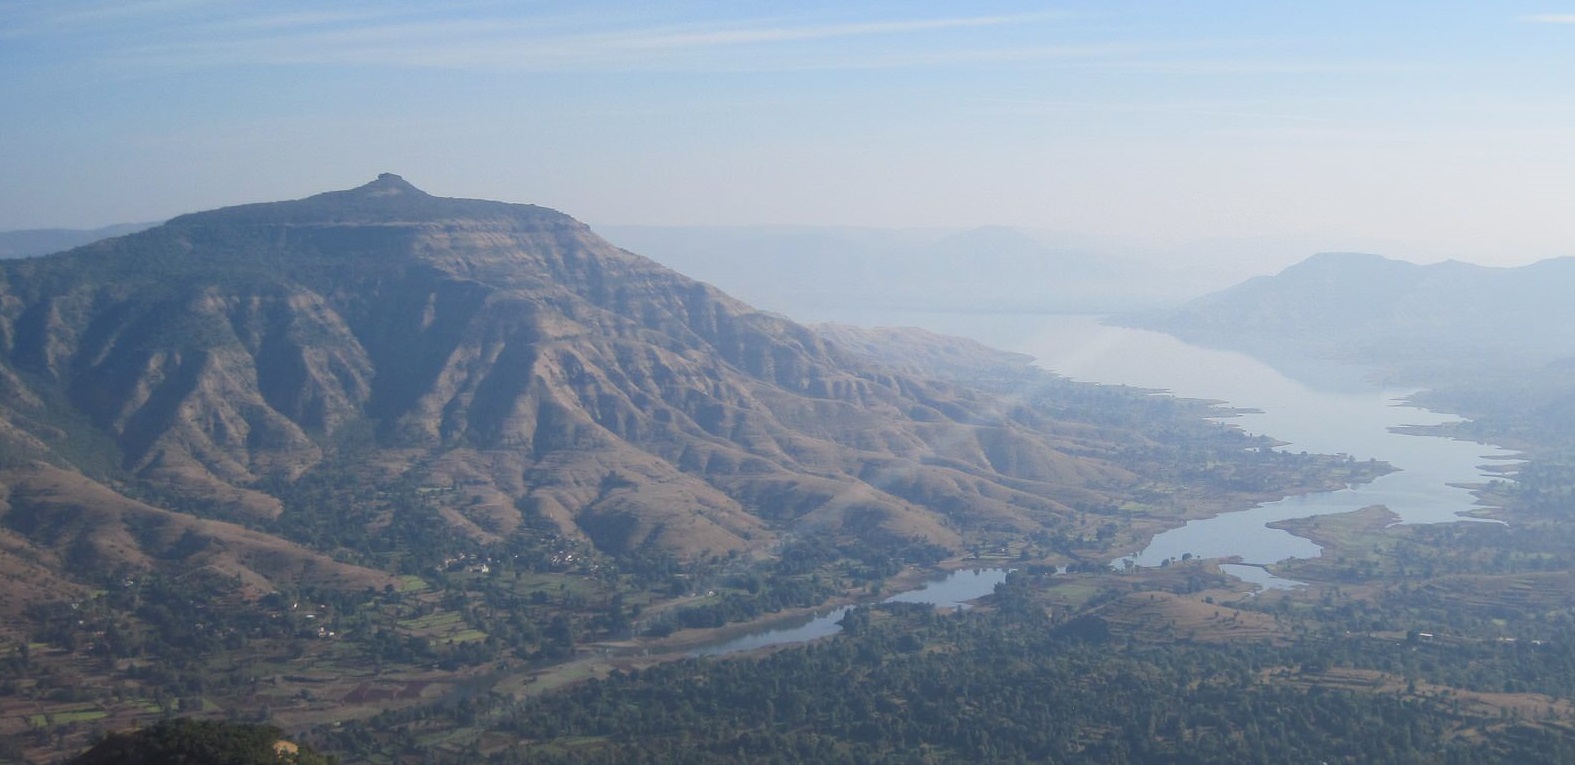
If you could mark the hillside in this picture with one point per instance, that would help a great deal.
(323, 458)
(502, 366)
(1373, 310)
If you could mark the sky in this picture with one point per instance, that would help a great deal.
(1430, 129)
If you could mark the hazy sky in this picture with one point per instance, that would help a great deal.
(1441, 127)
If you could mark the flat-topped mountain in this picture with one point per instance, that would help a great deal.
(373, 449)
(503, 364)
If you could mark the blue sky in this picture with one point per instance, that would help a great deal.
(1442, 129)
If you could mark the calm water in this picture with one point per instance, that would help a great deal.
(1337, 414)
(951, 591)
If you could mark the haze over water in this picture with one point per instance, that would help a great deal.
(1342, 415)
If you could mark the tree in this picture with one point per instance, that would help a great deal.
(200, 742)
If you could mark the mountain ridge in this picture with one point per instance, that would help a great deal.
(507, 351)
(1374, 310)
(28, 243)
(370, 450)
(388, 199)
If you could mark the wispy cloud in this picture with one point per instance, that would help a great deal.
(151, 36)
(817, 32)
(496, 41)
(36, 18)
(1267, 66)
(1231, 111)
(297, 20)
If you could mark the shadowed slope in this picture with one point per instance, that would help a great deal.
(508, 352)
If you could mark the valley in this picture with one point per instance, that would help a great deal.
(376, 453)
(241, 495)
(814, 383)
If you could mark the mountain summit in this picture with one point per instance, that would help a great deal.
(380, 369)
(388, 184)
(386, 200)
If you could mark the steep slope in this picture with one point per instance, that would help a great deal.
(510, 360)
(58, 517)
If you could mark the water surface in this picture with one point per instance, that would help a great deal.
(953, 590)
(1329, 408)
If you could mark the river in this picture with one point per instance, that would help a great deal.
(952, 590)
(1336, 413)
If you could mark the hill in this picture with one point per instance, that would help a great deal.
(1373, 310)
(502, 350)
(27, 243)
(491, 368)
(372, 448)
(1495, 345)
(199, 742)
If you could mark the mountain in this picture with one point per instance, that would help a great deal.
(1373, 310)
(375, 451)
(27, 243)
(290, 391)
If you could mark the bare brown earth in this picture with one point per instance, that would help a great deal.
(507, 350)
(55, 518)
(508, 357)
(1534, 706)
(1359, 557)
(1164, 617)
(162, 396)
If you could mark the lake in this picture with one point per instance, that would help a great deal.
(1329, 408)
(952, 590)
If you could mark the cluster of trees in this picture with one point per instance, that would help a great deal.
(911, 685)
(903, 684)
(775, 595)
(200, 742)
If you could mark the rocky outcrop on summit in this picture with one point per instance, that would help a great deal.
(507, 352)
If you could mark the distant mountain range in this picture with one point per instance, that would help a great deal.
(832, 272)
(27, 243)
(842, 272)
(282, 392)
(1421, 320)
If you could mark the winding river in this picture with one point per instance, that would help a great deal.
(1337, 412)
(952, 590)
